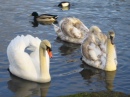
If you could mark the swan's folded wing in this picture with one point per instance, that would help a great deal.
(20, 61)
(73, 27)
(93, 54)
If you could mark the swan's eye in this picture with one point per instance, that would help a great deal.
(111, 37)
(48, 48)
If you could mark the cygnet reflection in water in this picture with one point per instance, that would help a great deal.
(67, 48)
(88, 73)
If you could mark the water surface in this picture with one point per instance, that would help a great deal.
(69, 74)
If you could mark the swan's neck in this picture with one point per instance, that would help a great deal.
(110, 62)
(44, 65)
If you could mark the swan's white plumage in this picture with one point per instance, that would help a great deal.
(22, 64)
(97, 51)
(71, 30)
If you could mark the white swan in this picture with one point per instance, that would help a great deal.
(33, 66)
(98, 50)
(71, 30)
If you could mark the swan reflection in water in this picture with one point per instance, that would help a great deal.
(88, 73)
(67, 48)
(24, 88)
(36, 23)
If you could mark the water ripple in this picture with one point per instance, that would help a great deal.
(68, 76)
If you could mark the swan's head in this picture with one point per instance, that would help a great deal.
(45, 44)
(111, 36)
(94, 29)
(34, 14)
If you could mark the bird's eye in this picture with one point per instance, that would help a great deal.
(48, 48)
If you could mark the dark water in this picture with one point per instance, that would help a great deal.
(69, 74)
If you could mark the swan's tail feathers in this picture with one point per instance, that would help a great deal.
(54, 25)
(55, 16)
(56, 28)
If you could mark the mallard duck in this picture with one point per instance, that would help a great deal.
(44, 17)
(36, 23)
(64, 4)
(33, 66)
(72, 30)
(98, 50)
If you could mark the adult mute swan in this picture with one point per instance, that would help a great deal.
(98, 50)
(71, 30)
(33, 66)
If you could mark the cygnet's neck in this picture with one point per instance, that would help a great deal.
(110, 62)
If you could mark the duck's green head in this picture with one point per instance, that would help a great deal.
(34, 14)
